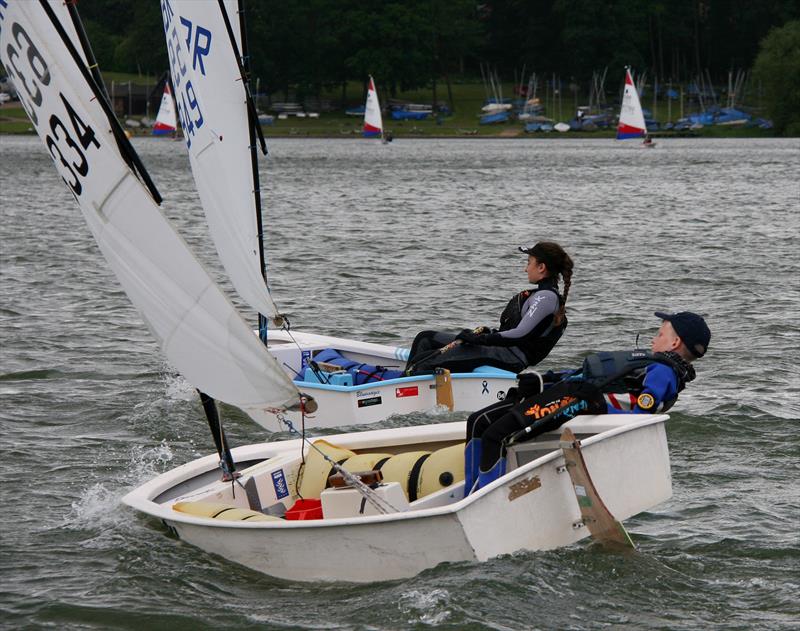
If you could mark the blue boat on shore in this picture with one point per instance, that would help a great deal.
(491, 119)
(720, 116)
(538, 126)
(409, 115)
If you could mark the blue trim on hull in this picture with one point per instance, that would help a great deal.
(629, 136)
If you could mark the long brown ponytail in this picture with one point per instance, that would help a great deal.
(558, 263)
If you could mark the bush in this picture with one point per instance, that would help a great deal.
(778, 68)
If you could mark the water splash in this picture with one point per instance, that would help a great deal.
(148, 462)
(98, 505)
(426, 607)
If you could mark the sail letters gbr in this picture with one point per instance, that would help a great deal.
(187, 43)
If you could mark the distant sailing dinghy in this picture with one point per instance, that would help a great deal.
(373, 121)
(631, 119)
(396, 503)
(166, 121)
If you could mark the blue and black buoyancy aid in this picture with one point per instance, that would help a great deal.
(624, 371)
(540, 341)
(362, 373)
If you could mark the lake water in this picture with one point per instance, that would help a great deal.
(378, 242)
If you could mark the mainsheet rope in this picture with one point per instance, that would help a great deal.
(380, 504)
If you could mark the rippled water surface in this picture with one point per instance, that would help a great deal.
(378, 242)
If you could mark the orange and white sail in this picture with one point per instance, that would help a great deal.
(166, 121)
(631, 119)
(373, 123)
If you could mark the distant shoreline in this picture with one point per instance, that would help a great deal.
(709, 133)
(14, 121)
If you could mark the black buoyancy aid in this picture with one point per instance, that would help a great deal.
(540, 341)
(624, 371)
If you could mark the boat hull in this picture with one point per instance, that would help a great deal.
(375, 401)
(534, 507)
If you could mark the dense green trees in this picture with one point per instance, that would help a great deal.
(778, 68)
(306, 45)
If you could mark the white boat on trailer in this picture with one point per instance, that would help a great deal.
(536, 505)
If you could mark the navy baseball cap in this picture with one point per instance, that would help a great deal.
(691, 328)
(538, 252)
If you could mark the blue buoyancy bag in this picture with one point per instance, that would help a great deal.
(362, 373)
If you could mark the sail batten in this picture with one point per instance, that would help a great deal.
(197, 327)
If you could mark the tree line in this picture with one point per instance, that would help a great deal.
(409, 43)
(306, 46)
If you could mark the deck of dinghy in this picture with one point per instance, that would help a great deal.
(304, 490)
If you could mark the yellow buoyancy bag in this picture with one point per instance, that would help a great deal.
(444, 468)
(405, 469)
(313, 475)
(364, 462)
(218, 510)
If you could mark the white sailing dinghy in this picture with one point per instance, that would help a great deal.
(166, 121)
(373, 121)
(222, 134)
(631, 118)
(416, 516)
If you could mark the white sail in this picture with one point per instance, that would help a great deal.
(373, 124)
(198, 329)
(212, 105)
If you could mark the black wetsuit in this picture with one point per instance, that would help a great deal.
(582, 392)
(526, 336)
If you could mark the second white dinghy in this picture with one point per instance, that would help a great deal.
(356, 382)
(222, 133)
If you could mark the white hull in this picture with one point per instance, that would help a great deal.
(372, 402)
(627, 457)
(492, 108)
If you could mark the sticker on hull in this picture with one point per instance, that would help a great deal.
(363, 403)
(409, 391)
(279, 484)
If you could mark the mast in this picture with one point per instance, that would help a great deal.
(212, 416)
(378, 103)
(87, 48)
